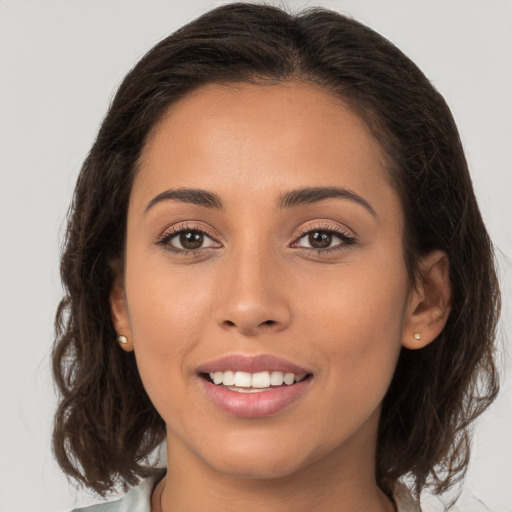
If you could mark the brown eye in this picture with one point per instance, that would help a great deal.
(188, 240)
(191, 239)
(320, 239)
(324, 240)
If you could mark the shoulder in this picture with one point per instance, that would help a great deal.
(137, 499)
(404, 499)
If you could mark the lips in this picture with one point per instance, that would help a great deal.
(252, 364)
(242, 386)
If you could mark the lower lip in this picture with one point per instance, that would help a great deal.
(254, 405)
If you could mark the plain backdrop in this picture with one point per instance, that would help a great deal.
(60, 63)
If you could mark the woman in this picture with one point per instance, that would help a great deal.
(277, 225)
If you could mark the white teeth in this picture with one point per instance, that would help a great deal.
(242, 380)
(277, 378)
(259, 380)
(248, 390)
(229, 378)
(289, 378)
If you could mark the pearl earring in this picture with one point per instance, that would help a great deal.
(417, 336)
(122, 340)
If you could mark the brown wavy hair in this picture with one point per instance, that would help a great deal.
(106, 426)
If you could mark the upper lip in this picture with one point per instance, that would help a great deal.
(252, 364)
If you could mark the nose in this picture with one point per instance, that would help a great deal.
(253, 298)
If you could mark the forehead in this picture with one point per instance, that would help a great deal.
(226, 137)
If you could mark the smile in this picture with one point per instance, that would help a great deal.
(245, 382)
(253, 386)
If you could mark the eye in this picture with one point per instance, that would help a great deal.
(324, 240)
(186, 239)
(318, 239)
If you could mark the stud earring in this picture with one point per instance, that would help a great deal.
(123, 340)
(417, 336)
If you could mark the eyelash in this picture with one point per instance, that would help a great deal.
(347, 240)
(164, 240)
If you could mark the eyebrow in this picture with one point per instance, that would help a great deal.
(316, 194)
(291, 199)
(188, 195)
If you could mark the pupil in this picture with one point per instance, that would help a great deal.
(320, 239)
(191, 239)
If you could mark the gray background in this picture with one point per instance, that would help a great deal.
(60, 62)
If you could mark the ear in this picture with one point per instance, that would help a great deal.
(119, 312)
(429, 303)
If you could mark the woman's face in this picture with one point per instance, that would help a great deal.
(264, 238)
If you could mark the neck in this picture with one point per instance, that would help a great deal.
(341, 481)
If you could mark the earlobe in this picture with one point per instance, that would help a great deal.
(430, 302)
(120, 316)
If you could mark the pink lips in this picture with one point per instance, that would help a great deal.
(252, 364)
(253, 405)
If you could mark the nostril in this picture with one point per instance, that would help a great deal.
(251, 326)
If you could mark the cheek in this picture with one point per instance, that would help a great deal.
(167, 302)
(357, 322)
(167, 315)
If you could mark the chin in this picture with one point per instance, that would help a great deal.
(251, 467)
(260, 457)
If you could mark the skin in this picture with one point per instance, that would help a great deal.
(256, 287)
